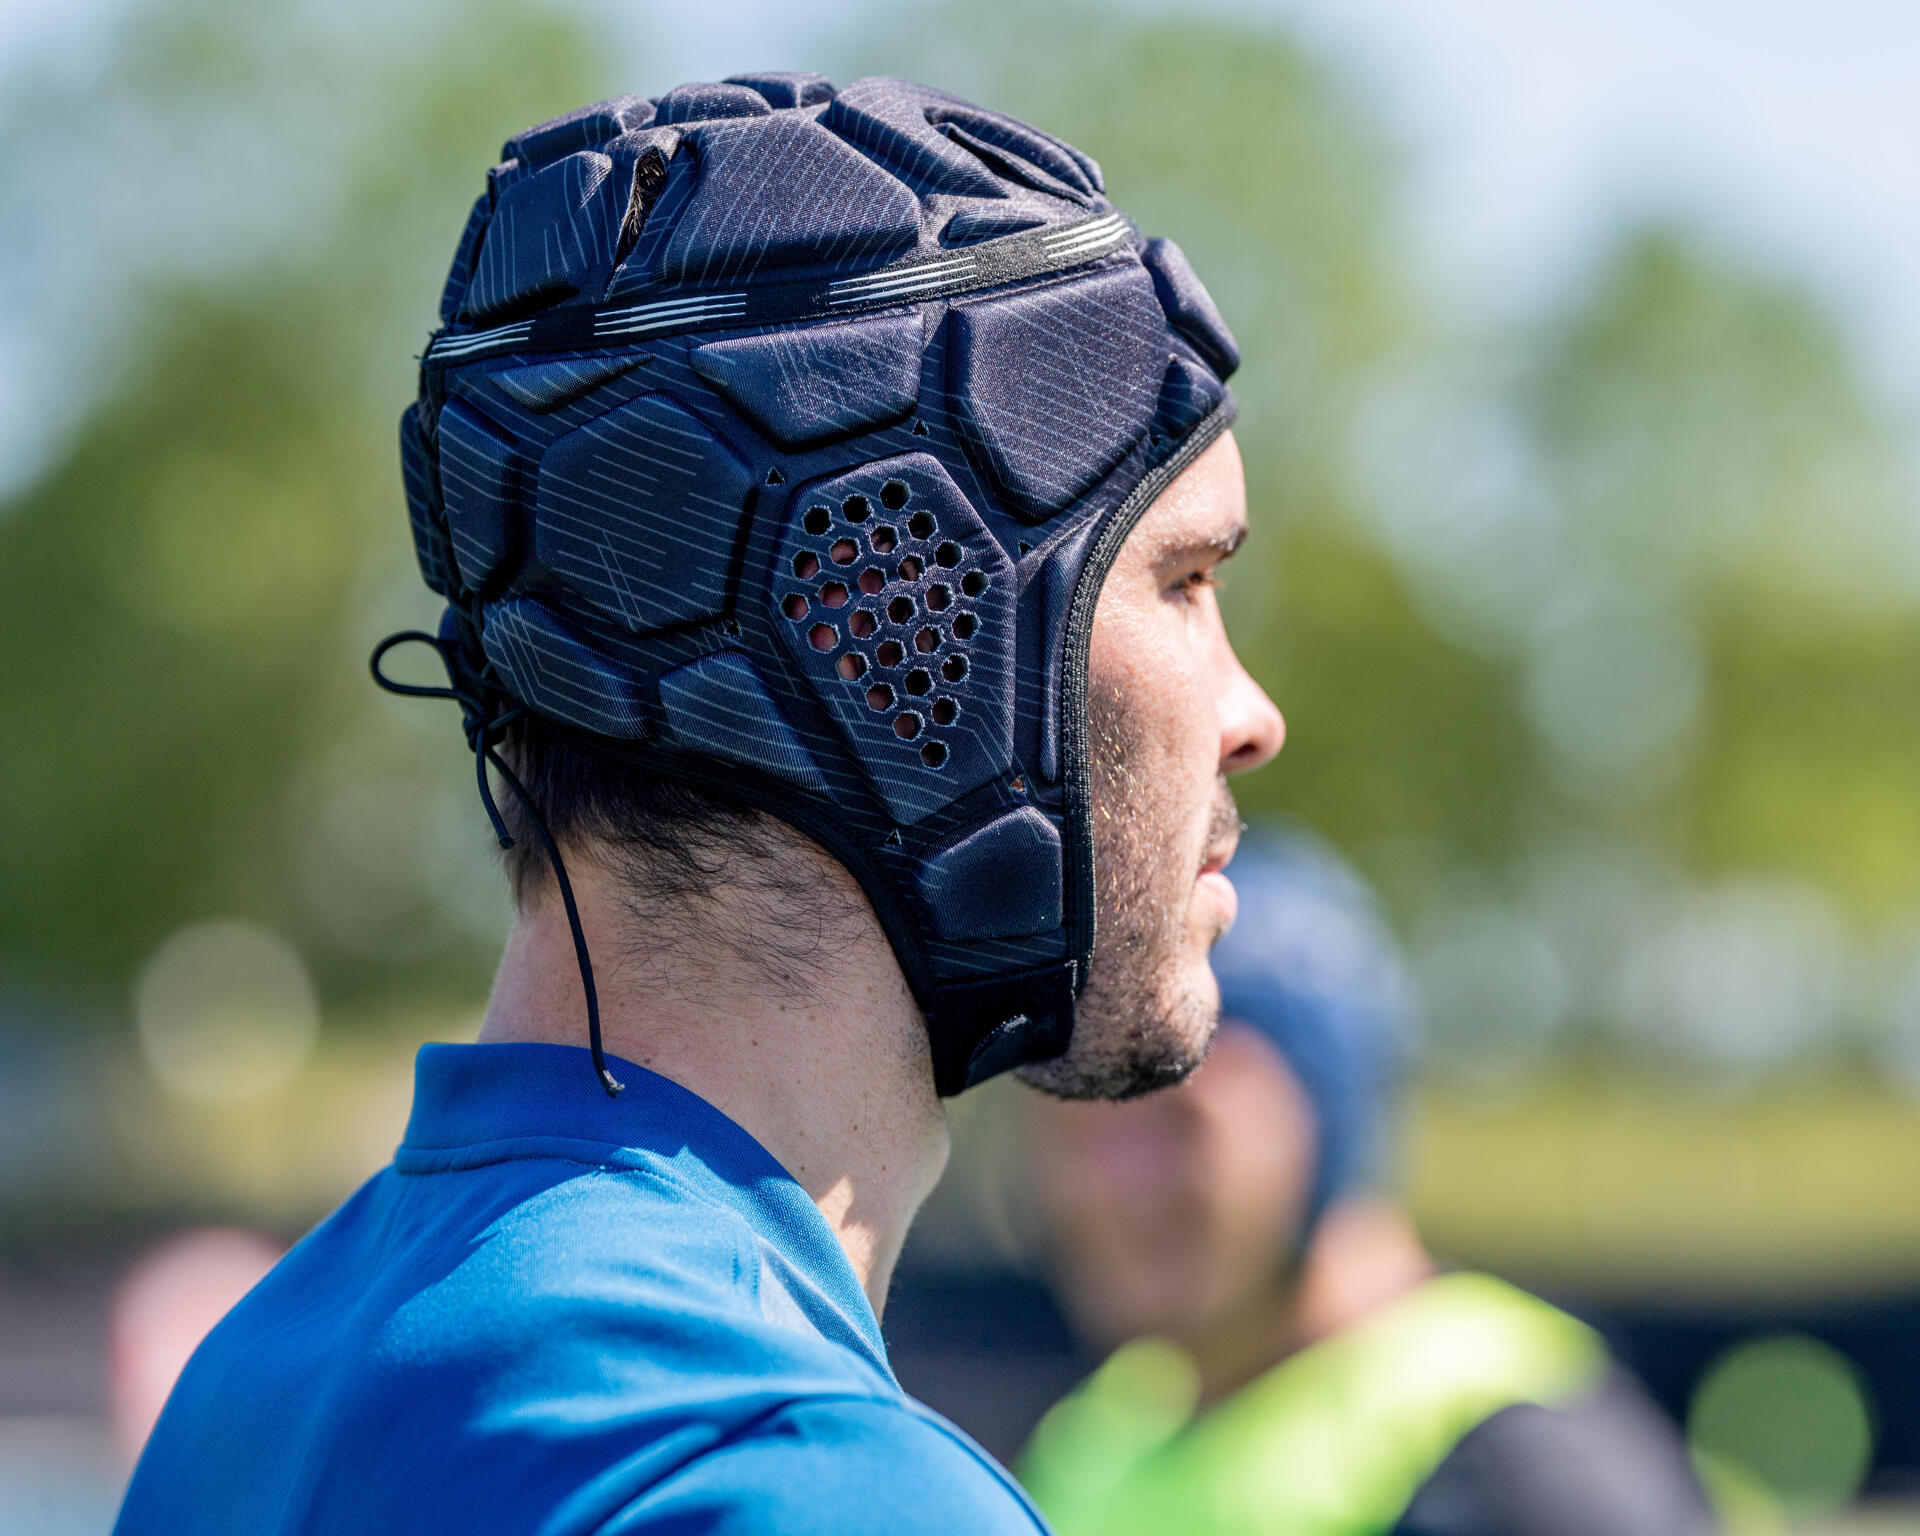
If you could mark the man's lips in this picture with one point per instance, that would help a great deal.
(1221, 853)
(1216, 884)
(1224, 827)
(1222, 845)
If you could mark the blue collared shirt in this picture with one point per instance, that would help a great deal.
(557, 1313)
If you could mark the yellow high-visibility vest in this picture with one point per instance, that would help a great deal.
(1332, 1441)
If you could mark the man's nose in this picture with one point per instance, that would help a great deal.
(1251, 729)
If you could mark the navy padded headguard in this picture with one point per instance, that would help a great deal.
(1311, 965)
(778, 441)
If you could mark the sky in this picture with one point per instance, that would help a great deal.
(1537, 124)
(1532, 128)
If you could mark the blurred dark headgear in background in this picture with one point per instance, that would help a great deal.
(777, 441)
(1311, 965)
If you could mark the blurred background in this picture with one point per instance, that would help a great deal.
(1583, 359)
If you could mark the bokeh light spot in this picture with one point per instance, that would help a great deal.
(225, 1011)
(1791, 1412)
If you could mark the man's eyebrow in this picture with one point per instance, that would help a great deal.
(1222, 546)
(1229, 544)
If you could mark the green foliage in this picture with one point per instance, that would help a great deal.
(1712, 443)
(1709, 435)
(186, 596)
(1677, 495)
(160, 593)
(1394, 736)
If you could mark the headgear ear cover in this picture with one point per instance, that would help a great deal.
(778, 440)
(1311, 966)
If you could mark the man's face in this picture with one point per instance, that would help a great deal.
(1171, 713)
(1168, 1214)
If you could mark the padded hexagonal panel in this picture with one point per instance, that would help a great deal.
(888, 119)
(454, 293)
(1188, 394)
(719, 705)
(640, 511)
(480, 478)
(829, 205)
(430, 542)
(781, 89)
(989, 221)
(1190, 307)
(806, 387)
(550, 385)
(552, 669)
(897, 605)
(1054, 384)
(700, 100)
(1063, 167)
(548, 234)
(1057, 580)
(1000, 881)
(584, 128)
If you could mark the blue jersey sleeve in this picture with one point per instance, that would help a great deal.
(836, 1467)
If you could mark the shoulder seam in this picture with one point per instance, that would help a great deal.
(914, 1409)
(909, 1408)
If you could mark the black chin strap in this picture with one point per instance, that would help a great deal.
(484, 728)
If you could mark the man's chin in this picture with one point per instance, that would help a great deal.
(1117, 1053)
(1112, 1079)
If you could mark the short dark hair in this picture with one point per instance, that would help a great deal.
(677, 834)
(672, 847)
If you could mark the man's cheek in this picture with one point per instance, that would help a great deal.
(1196, 747)
(1181, 711)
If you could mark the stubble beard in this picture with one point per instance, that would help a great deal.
(1148, 1013)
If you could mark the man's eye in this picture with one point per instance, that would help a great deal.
(1193, 583)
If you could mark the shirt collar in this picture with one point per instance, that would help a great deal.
(490, 1103)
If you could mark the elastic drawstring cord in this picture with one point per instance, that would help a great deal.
(482, 732)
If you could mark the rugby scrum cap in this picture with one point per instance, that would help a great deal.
(777, 440)
(1311, 966)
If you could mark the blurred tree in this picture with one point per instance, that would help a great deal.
(187, 592)
(1715, 452)
(1710, 436)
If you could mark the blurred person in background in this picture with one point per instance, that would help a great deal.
(169, 1299)
(1286, 1355)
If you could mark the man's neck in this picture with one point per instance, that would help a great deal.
(1365, 1255)
(830, 1074)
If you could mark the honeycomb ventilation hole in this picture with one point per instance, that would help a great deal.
(891, 581)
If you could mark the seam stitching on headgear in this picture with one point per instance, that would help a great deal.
(1078, 892)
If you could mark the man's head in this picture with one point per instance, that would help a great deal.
(841, 466)
(1195, 1205)
(1171, 712)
